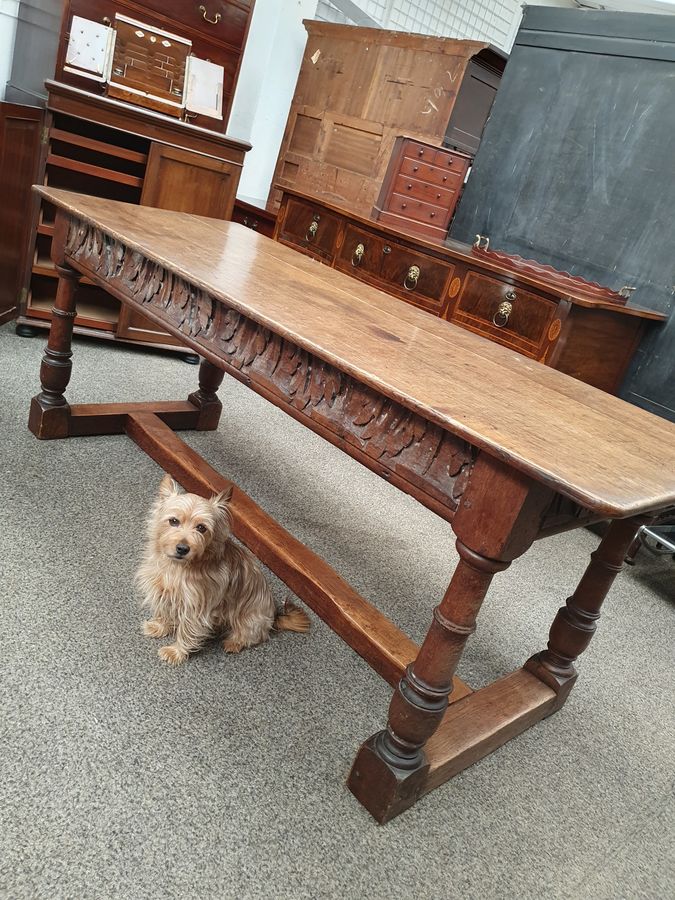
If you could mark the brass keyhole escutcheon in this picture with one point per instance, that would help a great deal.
(357, 256)
(411, 278)
(311, 231)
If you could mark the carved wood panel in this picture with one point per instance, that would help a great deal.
(426, 460)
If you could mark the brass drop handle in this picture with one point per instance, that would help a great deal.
(311, 231)
(411, 279)
(357, 256)
(504, 310)
(213, 21)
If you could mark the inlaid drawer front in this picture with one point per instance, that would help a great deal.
(393, 268)
(414, 276)
(361, 253)
(505, 312)
(310, 227)
(420, 190)
(419, 210)
(431, 174)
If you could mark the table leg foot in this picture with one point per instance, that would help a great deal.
(49, 415)
(48, 422)
(380, 785)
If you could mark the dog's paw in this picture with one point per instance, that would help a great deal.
(155, 629)
(231, 645)
(173, 654)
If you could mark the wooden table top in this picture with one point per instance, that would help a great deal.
(611, 457)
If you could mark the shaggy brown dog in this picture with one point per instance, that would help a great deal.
(197, 582)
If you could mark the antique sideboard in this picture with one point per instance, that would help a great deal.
(572, 326)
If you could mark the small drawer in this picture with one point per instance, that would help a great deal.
(421, 190)
(431, 174)
(216, 19)
(504, 312)
(414, 276)
(310, 227)
(361, 253)
(415, 150)
(450, 162)
(418, 210)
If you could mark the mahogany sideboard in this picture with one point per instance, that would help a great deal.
(403, 393)
(592, 340)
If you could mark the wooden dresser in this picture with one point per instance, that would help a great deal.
(570, 330)
(421, 188)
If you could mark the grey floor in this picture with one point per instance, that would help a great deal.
(124, 778)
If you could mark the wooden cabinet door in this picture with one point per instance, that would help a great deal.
(20, 150)
(184, 181)
(190, 182)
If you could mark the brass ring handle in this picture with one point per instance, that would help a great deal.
(213, 21)
(501, 317)
(357, 256)
(311, 231)
(412, 276)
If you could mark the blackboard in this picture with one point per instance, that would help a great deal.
(576, 167)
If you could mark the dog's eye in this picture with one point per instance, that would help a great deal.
(202, 529)
(174, 521)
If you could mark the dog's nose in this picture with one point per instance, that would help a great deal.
(182, 550)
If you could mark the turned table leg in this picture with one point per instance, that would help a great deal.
(575, 623)
(206, 398)
(49, 410)
(497, 521)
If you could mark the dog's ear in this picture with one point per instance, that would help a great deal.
(222, 499)
(167, 487)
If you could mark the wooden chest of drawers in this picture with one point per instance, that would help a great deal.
(592, 340)
(421, 188)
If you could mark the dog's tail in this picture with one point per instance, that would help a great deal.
(291, 618)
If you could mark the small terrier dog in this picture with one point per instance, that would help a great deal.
(197, 582)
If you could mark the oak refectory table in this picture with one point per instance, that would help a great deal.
(506, 450)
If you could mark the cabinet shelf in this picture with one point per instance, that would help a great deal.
(73, 165)
(95, 308)
(46, 269)
(109, 149)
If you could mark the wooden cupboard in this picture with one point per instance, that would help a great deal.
(107, 148)
(359, 89)
(20, 148)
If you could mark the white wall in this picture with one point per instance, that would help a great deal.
(269, 72)
(9, 10)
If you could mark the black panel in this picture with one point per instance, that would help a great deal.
(576, 167)
(472, 107)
